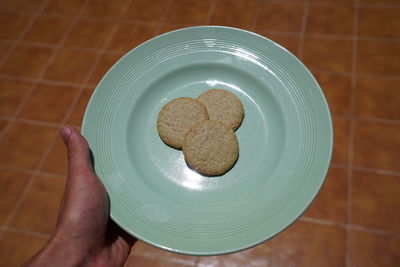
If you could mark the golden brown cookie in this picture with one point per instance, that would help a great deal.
(210, 147)
(223, 106)
(177, 117)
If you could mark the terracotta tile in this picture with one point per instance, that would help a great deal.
(11, 25)
(69, 7)
(375, 201)
(11, 95)
(47, 30)
(330, 1)
(39, 209)
(341, 128)
(170, 27)
(376, 57)
(89, 33)
(17, 248)
(3, 123)
(79, 110)
(48, 103)
(330, 19)
(280, 16)
(26, 61)
(3, 49)
(188, 11)
(327, 54)
(104, 8)
(377, 145)
(162, 257)
(26, 5)
(56, 161)
(141, 10)
(241, 13)
(105, 63)
(23, 145)
(321, 245)
(139, 261)
(290, 42)
(378, 98)
(379, 22)
(11, 186)
(129, 35)
(331, 202)
(379, 1)
(65, 69)
(337, 91)
(371, 250)
(261, 255)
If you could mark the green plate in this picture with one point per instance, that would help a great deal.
(285, 141)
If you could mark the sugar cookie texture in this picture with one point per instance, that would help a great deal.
(211, 147)
(223, 106)
(204, 128)
(177, 117)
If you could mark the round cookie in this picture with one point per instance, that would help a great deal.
(211, 148)
(223, 106)
(177, 117)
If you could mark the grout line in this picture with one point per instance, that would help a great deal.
(375, 171)
(253, 26)
(377, 120)
(330, 72)
(347, 226)
(54, 46)
(358, 75)
(373, 231)
(38, 123)
(322, 221)
(293, 34)
(303, 30)
(211, 12)
(350, 151)
(16, 169)
(366, 119)
(30, 171)
(378, 5)
(22, 231)
(379, 39)
(38, 80)
(339, 166)
(162, 22)
(366, 169)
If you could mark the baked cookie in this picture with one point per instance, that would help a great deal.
(223, 106)
(211, 148)
(177, 117)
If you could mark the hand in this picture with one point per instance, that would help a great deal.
(84, 234)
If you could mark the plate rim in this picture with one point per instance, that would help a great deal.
(325, 167)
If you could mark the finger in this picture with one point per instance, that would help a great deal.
(77, 150)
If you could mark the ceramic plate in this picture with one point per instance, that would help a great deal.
(285, 141)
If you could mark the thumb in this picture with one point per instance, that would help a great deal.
(78, 151)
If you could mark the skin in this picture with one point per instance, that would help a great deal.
(84, 234)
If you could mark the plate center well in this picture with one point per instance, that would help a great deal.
(261, 135)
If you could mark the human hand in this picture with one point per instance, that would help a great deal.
(84, 234)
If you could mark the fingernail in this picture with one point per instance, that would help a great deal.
(65, 132)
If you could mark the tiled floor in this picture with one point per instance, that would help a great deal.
(53, 53)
